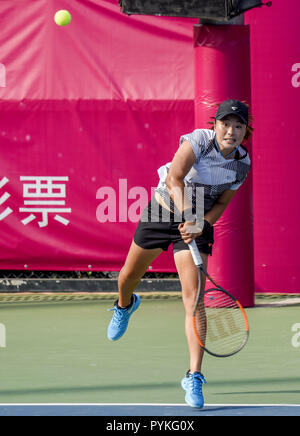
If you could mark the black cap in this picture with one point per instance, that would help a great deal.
(233, 107)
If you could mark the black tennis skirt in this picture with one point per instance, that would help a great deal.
(158, 233)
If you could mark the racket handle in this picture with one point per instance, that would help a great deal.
(195, 253)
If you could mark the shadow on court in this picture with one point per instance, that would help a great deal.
(260, 392)
(254, 381)
(158, 386)
(97, 388)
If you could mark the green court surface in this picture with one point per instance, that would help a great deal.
(57, 352)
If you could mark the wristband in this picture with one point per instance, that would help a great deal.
(206, 229)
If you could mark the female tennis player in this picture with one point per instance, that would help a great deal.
(216, 161)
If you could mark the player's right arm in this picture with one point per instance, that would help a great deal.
(181, 164)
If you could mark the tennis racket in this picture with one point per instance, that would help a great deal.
(219, 320)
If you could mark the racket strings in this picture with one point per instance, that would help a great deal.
(219, 323)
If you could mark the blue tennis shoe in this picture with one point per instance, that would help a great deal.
(192, 384)
(119, 323)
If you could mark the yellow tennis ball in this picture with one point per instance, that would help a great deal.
(62, 18)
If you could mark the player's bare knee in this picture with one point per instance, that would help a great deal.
(188, 297)
(129, 275)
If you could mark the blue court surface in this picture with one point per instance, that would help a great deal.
(154, 410)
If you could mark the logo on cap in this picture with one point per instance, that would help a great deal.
(234, 108)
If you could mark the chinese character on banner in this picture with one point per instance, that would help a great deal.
(3, 197)
(43, 193)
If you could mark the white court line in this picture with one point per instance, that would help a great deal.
(151, 404)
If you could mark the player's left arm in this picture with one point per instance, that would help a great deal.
(219, 207)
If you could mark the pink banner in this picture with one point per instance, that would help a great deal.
(275, 56)
(70, 194)
(226, 48)
(85, 124)
(105, 99)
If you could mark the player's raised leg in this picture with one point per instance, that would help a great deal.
(136, 264)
